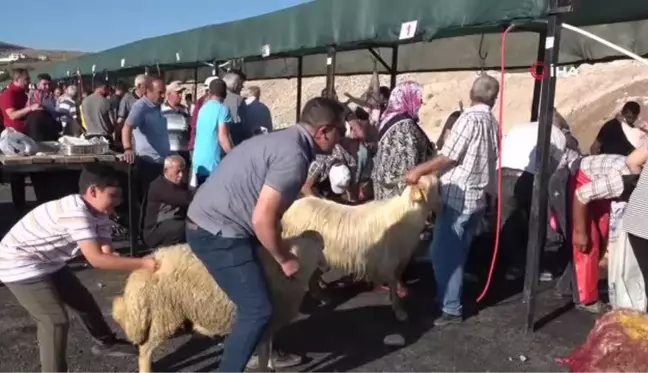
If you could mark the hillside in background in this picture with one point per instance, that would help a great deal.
(34, 59)
(588, 96)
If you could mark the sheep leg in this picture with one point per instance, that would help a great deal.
(397, 303)
(264, 349)
(145, 355)
(316, 289)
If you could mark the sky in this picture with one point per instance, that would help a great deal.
(95, 25)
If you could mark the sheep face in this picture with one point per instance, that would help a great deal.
(308, 247)
(427, 191)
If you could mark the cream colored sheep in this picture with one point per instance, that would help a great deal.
(373, 241)
(155, 305)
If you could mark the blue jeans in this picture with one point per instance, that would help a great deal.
(453, 234)
(233, 264)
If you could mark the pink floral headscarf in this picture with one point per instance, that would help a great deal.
(406, 98)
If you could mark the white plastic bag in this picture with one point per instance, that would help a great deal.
(13, 142)
(625, 281)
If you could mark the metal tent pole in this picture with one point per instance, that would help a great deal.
(195, 87)
(538, 225)
(330, 72)
(394, 67)
(537, 85)
(300, 72)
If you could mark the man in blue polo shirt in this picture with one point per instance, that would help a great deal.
(147, 126)
(239, 209)
(212, 132)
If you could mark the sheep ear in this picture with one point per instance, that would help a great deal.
(416, 194)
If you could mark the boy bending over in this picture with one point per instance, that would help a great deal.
(33, 256)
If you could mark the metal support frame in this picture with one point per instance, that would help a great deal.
(380, 60)
(330, 72)
(538, 225)
(537, 85)
(195, 88)
(300, 72)
(394, 68)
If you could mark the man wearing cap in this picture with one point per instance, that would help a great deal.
(177, 116)
(194, 114)
(340, 179)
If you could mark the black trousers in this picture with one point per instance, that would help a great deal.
(166, 233)
(517, 190)
(640, 249)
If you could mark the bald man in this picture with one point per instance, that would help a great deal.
(167, 202)
(467, 164)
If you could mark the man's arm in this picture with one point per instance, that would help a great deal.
(93, 252)
(92, 241)
(453, 150)
(636, 160)
(308, 189)
(131, 123)
(224, 137)
(282, 184)
(8, 104)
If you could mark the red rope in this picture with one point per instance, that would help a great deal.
(499, 163)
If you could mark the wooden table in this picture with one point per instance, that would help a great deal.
(58, 162)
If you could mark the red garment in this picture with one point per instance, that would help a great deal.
(16, 98)
(194, 119)
(598, 223)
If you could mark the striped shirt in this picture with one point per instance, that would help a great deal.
(68, 108)
(178, 120)
(635, 211)
(48, 236)
(606, 174)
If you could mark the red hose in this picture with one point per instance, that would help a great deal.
(499, 163)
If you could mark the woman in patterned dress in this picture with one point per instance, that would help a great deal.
(402, 144)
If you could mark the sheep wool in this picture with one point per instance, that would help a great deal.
(370, 241)
(155, 305)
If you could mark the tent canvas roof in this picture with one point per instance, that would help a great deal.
(450, 35)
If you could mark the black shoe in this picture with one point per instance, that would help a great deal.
(447, 319)
(116, 348)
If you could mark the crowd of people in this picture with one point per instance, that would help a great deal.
(215, 174)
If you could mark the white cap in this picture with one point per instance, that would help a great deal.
(209, 80)
(340, 178)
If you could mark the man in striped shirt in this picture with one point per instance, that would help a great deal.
(67, 106)
(33, 256)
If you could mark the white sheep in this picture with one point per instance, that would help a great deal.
(374, 241)
(155, 305)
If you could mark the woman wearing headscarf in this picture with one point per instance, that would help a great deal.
(402, 143)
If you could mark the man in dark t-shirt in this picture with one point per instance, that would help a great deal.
(238, 210)
(613, 136)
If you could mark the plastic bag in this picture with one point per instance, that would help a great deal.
(617, 343)
(625, 282)
(13, 142)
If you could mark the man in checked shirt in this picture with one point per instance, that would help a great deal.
(467, 165)
(596, 180)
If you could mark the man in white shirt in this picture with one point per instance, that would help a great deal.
(518, 170)
(33, 257)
